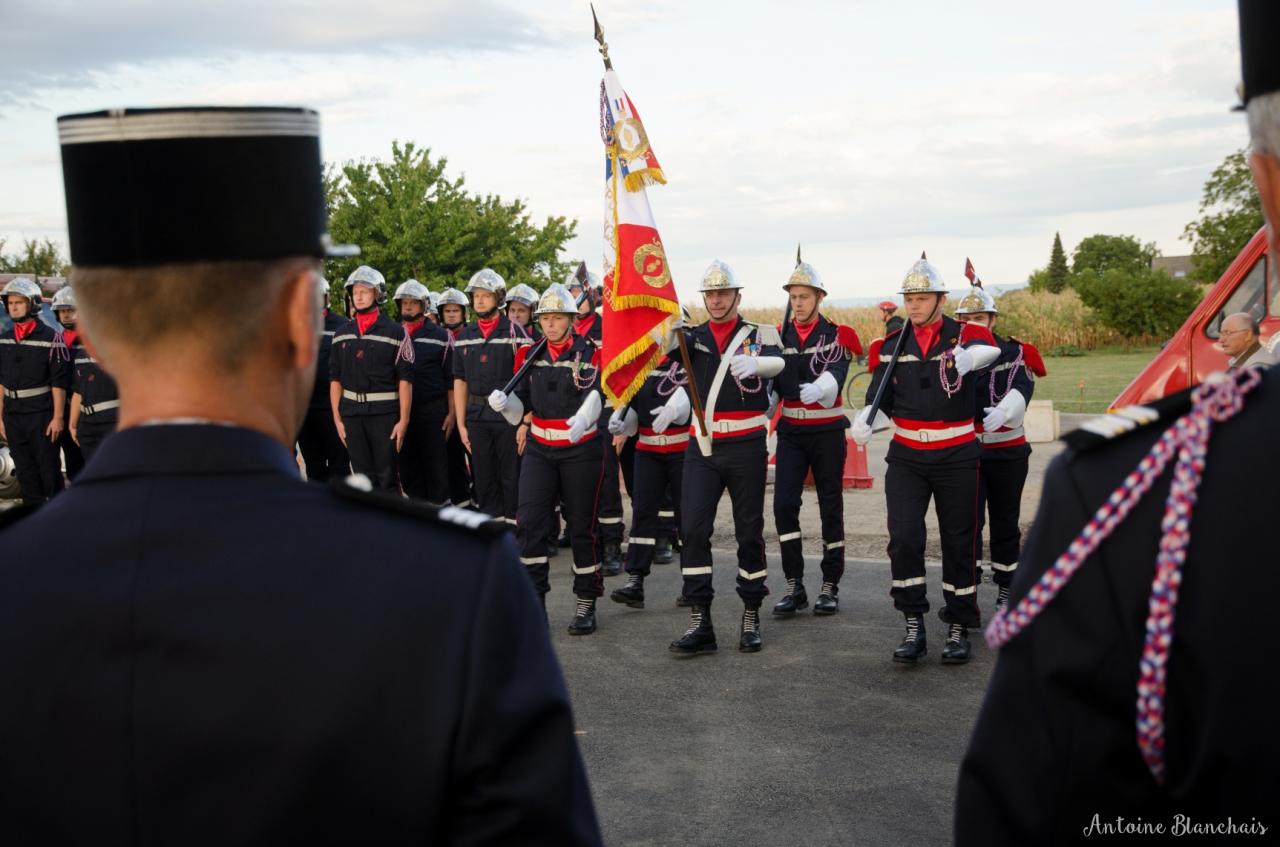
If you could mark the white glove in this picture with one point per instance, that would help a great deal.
(497, 400)
(662, 418)
(743, 366)
(577, 428)
(616, 424)
(810, 393)
(860, 431)
(964, 360)
(628, 423)
(995, 418)
(773, 404)
(676, 410)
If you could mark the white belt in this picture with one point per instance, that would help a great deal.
(727, 425)
(94, 408)
(375, 397)
(664, 440)
(23, 393)
(555, 434)
(801, 414)
(925, 436)
(1000, 437)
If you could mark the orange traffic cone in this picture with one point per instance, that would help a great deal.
(856, 474)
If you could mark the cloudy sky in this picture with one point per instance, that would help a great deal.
(866, 130)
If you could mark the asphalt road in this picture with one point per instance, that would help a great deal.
(820, 739)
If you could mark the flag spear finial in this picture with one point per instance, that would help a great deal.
(797, 254)
(923, 256)
(604, 48)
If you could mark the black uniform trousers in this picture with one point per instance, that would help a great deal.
(573, 475)
(424, 469)
(493, 464)
(72, 455)
(92, 432)
(654, 475)
(321, 448)
(372, 451)
(460, 491)
(1000, 484)
(741, 467)
(609, 513)
(953, 486)
(798, 452)
(35, 457)
(667, 523)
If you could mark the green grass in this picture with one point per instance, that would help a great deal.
(1104, 372)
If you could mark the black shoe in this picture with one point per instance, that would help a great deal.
(913, 646)
(700, 637)
(662, 552)
(684, 602)
(750, 641)
(1002, 597)
(584, 618)
(631, 594)
(827, 604)
(553, 549)
(956, 650)
(564, 539)
(611, 562)
(793, 601)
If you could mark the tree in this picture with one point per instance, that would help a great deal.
(1101, 253)
(1058, 273)
(412, 221)
(1230, 213)
(38, 258)
(1136, 303)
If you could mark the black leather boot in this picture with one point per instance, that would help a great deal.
(611, 561)
(564, 537)
(662, 552)
(584, 617)
(793, 601)
(956, 650)
(631, 594)
(700, 637)
(750, 641)
(913, 646)
(684, 602)
(827, 604)
(1002, 597)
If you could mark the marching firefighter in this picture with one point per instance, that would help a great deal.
(811, 438)
(484, 354)
(64, 309)
(658, 468)
(934, 454)
(371, 381)
(1003, 393)
(451, 311)
(423, 466)
(322, 450)
(560, 400)
(521, 301)
(33, 379)
(588, 324)
(95, 401)
(732, 362)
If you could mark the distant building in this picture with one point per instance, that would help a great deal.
(1178, 267)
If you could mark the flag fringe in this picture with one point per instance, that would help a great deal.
(621, 302)
(633, 352)
(638, 180)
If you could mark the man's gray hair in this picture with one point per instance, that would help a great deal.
(1264, 123)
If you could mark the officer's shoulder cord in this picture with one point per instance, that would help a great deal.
(1218, 399)
(670, 380)
(1008, 386)
(820, 361)
(949, 356)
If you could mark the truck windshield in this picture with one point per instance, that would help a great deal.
(1250, 296)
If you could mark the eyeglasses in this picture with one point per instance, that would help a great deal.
(1223, 332)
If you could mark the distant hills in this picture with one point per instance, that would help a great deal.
(857, 302)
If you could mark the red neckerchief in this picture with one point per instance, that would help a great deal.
(803, 331)
(558, 348)
(927, 335)
(363, 322)
(583, 325)
(22, 330)
(414, 326)
(486, 325)
(722, 332)
(69, 337)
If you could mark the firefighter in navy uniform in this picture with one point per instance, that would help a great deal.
(95, 401)
(483, 358)
(1003, 393)
(423, 463)
(220, 653)
(34, 375)
(609, 510)
(322, 450)
(451, 312)
(661, 404)
(811, 438)
(933, 455)
(560, 400)
(371, 381)
(521, 300)
(64, 309)
(733, 361)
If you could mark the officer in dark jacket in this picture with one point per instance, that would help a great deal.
(322, 450)
(95, 400)
(811, 438)
(451, 311)
(423, 463)
(221, 653)
(34, 376)
(370, 381)
(733, 361)
(64, 309)
(933, 455)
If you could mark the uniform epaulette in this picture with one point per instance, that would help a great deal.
(1106, 428)
(357, 489)
(1031, 355)
(766, 334)
(13, 514)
